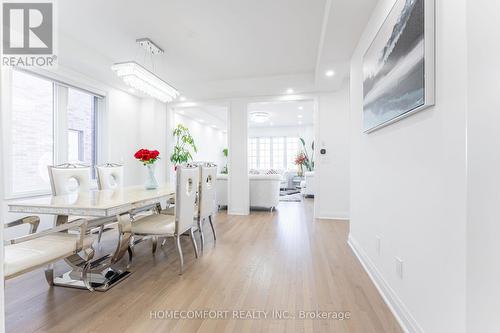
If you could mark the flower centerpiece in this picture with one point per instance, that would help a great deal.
(300, 160)
(148, 159)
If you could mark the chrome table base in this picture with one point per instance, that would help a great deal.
(98, 281)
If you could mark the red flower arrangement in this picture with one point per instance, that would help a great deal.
(300, 159)
(147, 156)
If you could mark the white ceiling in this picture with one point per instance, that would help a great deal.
(209, 115)
(218, 48)
(284, 113)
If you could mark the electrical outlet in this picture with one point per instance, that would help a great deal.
(399, 267)
(378, 244)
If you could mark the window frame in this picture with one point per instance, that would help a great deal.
(284, 162)
(60, 126)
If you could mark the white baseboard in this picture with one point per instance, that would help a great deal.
(233, 212)
(395, 304)
(332, 216)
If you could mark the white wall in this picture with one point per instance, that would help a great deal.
(483, 148)
(238, 186)
(305, 132)
(209, 141)
(332, 169)
(2, 219)
(408, 186)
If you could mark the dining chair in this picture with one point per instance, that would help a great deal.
(109, 176)
(207, 202)
(162, 225)
(70, 178)
(38, 249)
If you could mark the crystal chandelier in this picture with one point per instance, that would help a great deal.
(140, 78)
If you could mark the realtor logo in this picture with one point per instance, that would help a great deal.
(28, 29)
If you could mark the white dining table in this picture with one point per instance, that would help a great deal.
(100, 207)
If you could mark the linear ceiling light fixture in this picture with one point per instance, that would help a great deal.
(140, 78)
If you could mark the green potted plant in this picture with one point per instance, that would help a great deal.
(225, 151)
(184, 144)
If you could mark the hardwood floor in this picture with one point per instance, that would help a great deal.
(266, 261)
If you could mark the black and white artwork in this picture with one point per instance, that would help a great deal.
(398, 66)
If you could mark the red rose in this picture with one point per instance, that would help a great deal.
(155, 153)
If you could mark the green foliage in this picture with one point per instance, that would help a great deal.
(183, 145)
(309, 162)
(225, 151)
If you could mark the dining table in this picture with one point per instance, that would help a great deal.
(98, 207)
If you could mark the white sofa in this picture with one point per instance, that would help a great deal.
(308, 186)
(264, 190)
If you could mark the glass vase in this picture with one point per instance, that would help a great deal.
(151, 182)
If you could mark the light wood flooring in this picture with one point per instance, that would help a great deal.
(283, 261)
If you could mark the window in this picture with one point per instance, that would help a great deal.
(81, 127)
(31, 132)
(272, 152)
(42, 114)
(292, 149)
(264, 153)
(278, 153)
(252, 153)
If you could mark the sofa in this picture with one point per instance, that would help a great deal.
(264, 190)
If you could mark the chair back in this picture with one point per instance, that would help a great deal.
(207, 203)
(109, 176)
(69, 178)
(185, 197)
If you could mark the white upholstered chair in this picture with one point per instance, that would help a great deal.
(69, 178)
(24, 254)
(162, 225)
(109, 176)
(207, 198)
(73, 178)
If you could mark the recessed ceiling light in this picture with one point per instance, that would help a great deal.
(201, 120)
(300, 116)
(330, 73)
(301, 108)
(182, 99)
(300, 123)
(213, 126)
(289, 91)
(181, 111)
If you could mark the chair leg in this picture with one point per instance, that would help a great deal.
(85, 277)
(202, 235)
(130, 256)
(154, 240)
(212, 225)
(181, 258)
(193, 240)
(163, 242)
(49, 274)
(101, 230)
